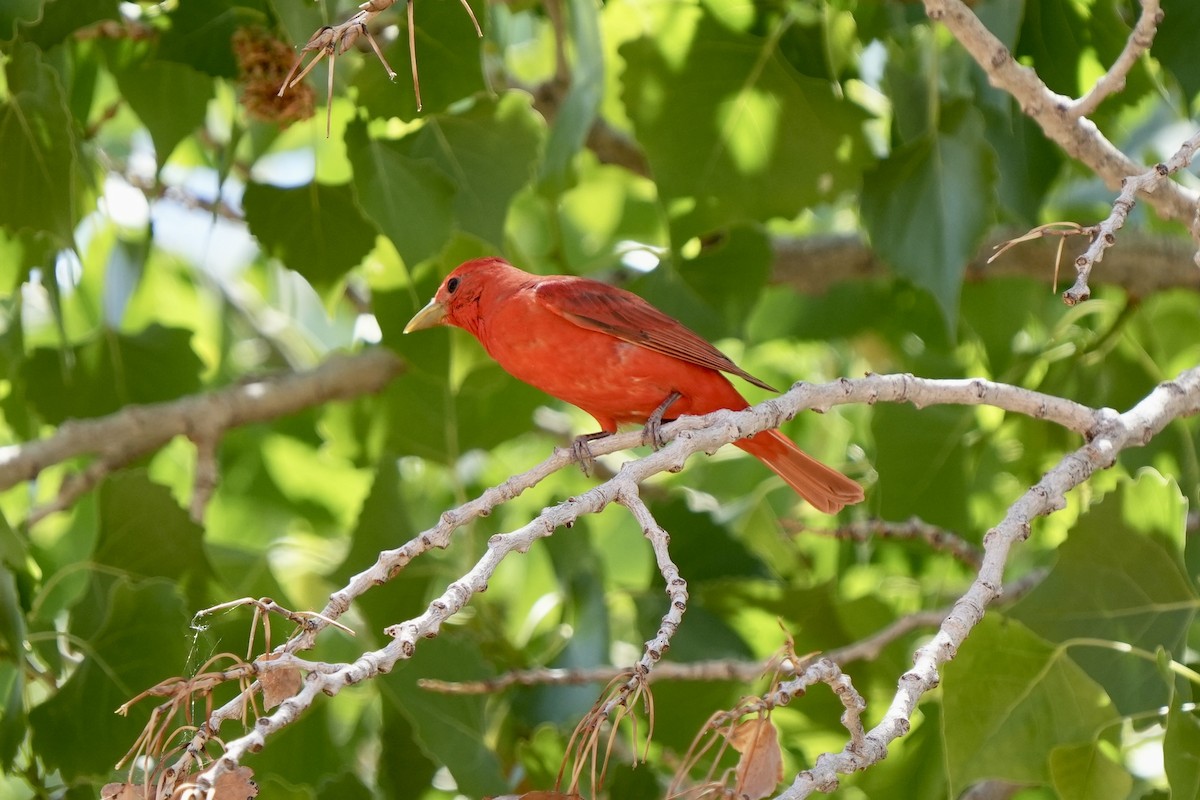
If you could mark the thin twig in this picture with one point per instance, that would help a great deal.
(1113, 81)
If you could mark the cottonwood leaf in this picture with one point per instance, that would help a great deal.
(1086, 772)
(201, 34)
(1010, 698)
(722, 116)
(170, 98)
(139, 640)
(109, 371)
(928, 205)
(316, 229)
(410, 200)
(39, 141)
(573, 120)
(1120, 578)
(488, 153)
(14, 12)
(1181, 750)
(451, 727)
(1175, 44)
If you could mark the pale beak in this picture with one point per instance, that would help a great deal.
(432, 314)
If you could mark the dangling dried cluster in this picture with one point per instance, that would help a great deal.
(263, 66)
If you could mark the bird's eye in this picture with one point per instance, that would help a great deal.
(451, 285)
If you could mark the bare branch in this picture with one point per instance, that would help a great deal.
(1077, 135)
(1116, 432)
(1107, 431)
(1146, 264)
(1130, 188)
(864, 530)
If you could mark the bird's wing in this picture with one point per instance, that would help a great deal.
(599, 307)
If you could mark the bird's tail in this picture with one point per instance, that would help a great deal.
(827, 489)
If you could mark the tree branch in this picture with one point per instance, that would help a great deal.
(1148, 263)
(1106, 431)
(120, 438)
(1113, 433)
(1077, 135)
(1113, 81)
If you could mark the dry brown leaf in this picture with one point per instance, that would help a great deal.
(760, 769)
(278, 684)
(122, 791)
(539, 795)
(238, 784)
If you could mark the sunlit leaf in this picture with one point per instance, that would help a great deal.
(1001, 699)
(1086, 772)
(410, 200)
(1119, 578)
(927, 205)
(749, 118)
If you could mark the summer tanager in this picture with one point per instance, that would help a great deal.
(614, 355)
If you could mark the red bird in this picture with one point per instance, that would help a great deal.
(614, 355)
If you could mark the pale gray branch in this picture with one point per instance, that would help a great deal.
(1113, 433)
(1107, 432)
(1076, 135)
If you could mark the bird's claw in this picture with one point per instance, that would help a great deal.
(652, 432)
(582, 452)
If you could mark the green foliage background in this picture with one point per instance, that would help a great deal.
(156, 241)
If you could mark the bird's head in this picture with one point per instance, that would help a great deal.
(457, 300)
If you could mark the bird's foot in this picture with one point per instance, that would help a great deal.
(582, 452)
(652, 433)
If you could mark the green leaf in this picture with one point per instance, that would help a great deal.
(448, 56)
(1181, 751)
(1086, 772)
(61, 18)
(1009, 699)
(110, 371)
(411, 201)
(453, 729)
(705, 550)
(39, 142)
(14, 723)
(140, 643)
(924, 451)
(730, 272)
(18, 12)
(1120, 578)
(1175, 44)
(722, 116)
(575, 115)
(405, 772)
(201, 34)
(170, 98)
(1027, 162)
(927, 205)
(316, 229)
(1054, 37)
(488, 153)
(142, 533)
